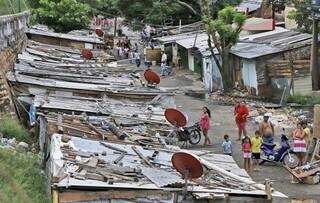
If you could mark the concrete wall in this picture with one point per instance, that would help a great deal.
(12, 41)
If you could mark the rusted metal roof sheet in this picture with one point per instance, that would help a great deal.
(258, 24)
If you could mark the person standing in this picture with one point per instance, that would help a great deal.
(307, 133)
(137, 58)
(299, 143)
(227, 145)
(205, 124)
(241, 112)
(256, 142)
(266, 129)
(163, 63)
(246, 149)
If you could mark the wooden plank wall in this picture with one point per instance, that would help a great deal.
(287, 68)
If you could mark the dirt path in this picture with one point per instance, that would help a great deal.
(223, 123)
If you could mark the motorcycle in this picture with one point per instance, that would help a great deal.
(284, 154)
(191, 134)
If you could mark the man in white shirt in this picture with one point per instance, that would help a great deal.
(163, 63)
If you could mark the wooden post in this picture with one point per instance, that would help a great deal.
(115, 27)
(314, 56)
(316, 122)
(316, 132)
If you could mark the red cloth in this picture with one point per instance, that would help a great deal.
(204, 121)
(242, 113)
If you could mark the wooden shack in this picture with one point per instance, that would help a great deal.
(274, 63)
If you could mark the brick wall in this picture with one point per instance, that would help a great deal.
(12, 41)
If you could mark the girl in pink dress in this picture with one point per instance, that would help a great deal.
(205, 124)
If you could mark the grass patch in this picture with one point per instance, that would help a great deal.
(10, 128)
(304, 100)
(21, 179)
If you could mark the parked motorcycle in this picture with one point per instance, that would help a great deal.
(284, 154)
(191, 134)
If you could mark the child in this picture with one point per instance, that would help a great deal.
(246, 149)
(256, 142)
(227, 146)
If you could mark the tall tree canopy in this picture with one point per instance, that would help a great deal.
(63, 15)
(223, 32)
(160, 11)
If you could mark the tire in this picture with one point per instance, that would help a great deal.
(291, 160)
(195, 137)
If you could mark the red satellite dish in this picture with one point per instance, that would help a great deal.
(87, 54)
(99, 32)
(175, 117)
(151, 77)
(187, 165)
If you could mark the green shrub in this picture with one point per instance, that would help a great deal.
(10, 128)
(304, 100)
(21, 179)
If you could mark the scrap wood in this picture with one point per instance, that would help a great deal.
(113, 147)
(118, 159)
(77, 129)
(92, 127)
(111, 175)
(228, 174)
(145, 159)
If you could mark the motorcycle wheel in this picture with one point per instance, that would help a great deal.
(195, 137)
(291, 160)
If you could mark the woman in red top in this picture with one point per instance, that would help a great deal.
(205, 124)
(241, 113)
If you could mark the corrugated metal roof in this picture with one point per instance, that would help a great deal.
(79, 38)
(251, 5)
(198, 40)
(257, 45)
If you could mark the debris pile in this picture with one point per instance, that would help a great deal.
(102, 131)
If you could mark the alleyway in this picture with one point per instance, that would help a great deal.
(223, 123)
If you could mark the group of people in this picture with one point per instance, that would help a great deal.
(123, 48)
(251, 146)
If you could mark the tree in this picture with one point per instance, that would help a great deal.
(223, 32)
(63, 15)
(107, 8)
(302, 15)
(160, 12)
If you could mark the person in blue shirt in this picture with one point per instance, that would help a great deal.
(227, 145)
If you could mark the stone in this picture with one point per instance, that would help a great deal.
(12, 142)
(65, 138)
(22, 147)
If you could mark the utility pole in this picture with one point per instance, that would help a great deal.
(314, 64)
(314, 55)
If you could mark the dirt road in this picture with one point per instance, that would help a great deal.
(223, 123)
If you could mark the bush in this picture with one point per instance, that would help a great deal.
(304, 100)
(21, 179)
(11, 128)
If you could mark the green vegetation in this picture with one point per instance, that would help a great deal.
(12, 6)
(63, 15)
(10, 127)
(21, 179)
(302, 15)
(223, 32)
(304, 100)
